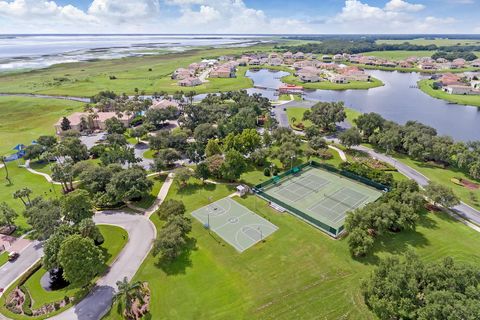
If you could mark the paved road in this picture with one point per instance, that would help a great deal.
(10, 271)
(141, 233)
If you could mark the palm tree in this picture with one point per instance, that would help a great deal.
(127, 293)
(7, 176)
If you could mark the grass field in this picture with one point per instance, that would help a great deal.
(297, 113)
(399, 54)
(3, 258)
(327, 85)
(437, 41)
(443, 177)
(212, 281)
(24, 119)
(21, 178)
(426, 87)
(88, 78)
(115, 240)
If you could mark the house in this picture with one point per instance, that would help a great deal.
(405, 64)
(224, 71)
(308, 77)
(273, 55)
(242, 62)
(449, 79)
(190, 82)
(461, 89)
(459, 63)
(288, 55)
(337, 78)
(275, 62)
(163, 104)
(96, 120)
(353, 73)
(182, 73)
(254, 62)
(299, 56)
(427, 66)
(476, 63)
(290, 89)
(338, 57)
(326, 58)
(242, 190)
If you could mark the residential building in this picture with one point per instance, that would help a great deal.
(96, 120)
(163, 104)
(182, 73)
(190, 82)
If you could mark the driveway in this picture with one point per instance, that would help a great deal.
(92, 139)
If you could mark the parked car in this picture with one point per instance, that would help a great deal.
(13, 256)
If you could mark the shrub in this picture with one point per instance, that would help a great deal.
(361, 169)
(266, 172)
(136, 121)
(27, 303)
(113, 78)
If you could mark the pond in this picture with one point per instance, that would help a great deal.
(53, 280)
(398, 100)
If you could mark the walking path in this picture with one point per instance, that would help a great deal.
(46, 176)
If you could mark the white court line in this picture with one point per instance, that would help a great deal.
(228, 222)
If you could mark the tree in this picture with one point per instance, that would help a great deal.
(127, 294)
(166, 158)
(138, 132)
(326, 115)
(359, 242)
(7, 176)
(34, 151)
(88, 229)
(77, 206)
(80, 260)
(48, 142)
(96, 178)
(74, 148)
(65, 124)
(201, 171)
(234, 165)
(172, 238)
(24, 196)
(368, 123)
(53, 244)
(442, 195)
(128, 184)
(7, 215)
(215, 164)
(182, 175)
(407, 288)
(212, 148)
(204, 132)
(287, 154)
(317, 142)
(63, 173)
(350, 137)
(44, 216)
(259, 156)
(114, 125)
(171, 208)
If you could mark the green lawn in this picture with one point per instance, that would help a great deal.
(148, 201)
(88, 78)
(298, 272)
(443, 176)
(399, 54)
(288, 97)
(426, 87)
(297, 113)
(115, 240)
(21, 178)
(436, 41)
(25, 119)
(3, 258)
(327, 85)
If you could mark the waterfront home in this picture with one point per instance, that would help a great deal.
(308, 77)
(326, 58)
(254, 62)
(461, 89)
(273, 55)
(338, 57)
(353, 73)
(337, 78)
(459, 63)
(182, 73)
(190, 82)
(96, 121)
(275, 62)
(290, 89)
(449, 79)
(476, 63)
(427, 66)
(210, 62)
(405, 64)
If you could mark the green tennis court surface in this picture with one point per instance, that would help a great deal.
(319, 194)
(236, 224)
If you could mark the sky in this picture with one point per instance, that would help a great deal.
(240, 16)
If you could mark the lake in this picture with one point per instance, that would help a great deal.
(398, 100)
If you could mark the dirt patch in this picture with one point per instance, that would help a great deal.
(469, 184)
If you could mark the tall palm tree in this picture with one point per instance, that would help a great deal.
(127, 293)
(7, 176)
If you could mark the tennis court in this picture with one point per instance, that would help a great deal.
(320, 197)
(236, 224)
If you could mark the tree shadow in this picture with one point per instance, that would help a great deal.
(357, 153)
(181, 263)
(192, 188)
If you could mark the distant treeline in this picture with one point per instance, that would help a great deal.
(334, 46)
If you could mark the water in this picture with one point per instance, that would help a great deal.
(20, 52)
(396, 101)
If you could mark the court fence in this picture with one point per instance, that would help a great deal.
(334, 232)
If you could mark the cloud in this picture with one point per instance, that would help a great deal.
(400, 5)
(125, 9)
